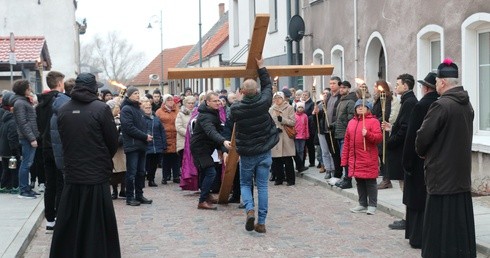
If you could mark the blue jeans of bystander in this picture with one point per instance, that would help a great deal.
(28, 153)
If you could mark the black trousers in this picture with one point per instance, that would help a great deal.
(281, 165)
(37, 168)
(170, 166)
(54, 185)
(152, 161)
(335, 152)
(10, 177)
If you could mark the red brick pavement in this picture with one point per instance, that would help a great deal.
(305, 220)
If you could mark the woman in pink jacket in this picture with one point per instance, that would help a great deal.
(363, 162)
(302, 134)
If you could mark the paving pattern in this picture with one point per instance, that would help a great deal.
(305, 220)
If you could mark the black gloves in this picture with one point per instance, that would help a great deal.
(279, 118)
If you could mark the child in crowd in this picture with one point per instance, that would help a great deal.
(302, 134)
(360, 155)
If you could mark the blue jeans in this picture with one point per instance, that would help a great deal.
(258, 165)
(28, 153)
(135, 173)
(208, 175)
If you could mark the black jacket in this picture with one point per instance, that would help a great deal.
(256, 132)
(44, 112)
(414, 192)
(206, 136)
(394, 143)
(133, 126)
(89, 137)
(445, 139)
(9, 138)
(25, 118)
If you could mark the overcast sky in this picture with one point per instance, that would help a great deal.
(131, 18)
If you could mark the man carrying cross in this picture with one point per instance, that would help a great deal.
(256, 135)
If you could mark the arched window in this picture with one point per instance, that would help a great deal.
(476, 67)
(430, 50)
(337, 57)
(319, 59)
(375, 59)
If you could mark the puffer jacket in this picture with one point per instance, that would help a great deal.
(133, 126)
(345, 112)
(9, 138)
(362, 163)
(167, 118)
(256, 132)
(155, 128)
(44, 112)
(25, 118)
(301, 126)
(54, 133)
(206, 136)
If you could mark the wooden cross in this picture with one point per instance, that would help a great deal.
(248, 71)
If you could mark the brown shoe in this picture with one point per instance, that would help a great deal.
(385, 184)
(211, 199)
(322, 169)
(206, 206)
(249, 224)
(259, 228)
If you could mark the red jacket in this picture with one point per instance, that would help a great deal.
(362, 163)
(301, 126)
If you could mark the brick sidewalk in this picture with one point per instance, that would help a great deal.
(305, 220)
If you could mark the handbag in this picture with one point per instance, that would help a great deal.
(290, 131)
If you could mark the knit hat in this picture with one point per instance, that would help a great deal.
(429, 81)
(111, 103)
(88, 81)
(6, 98)
(367, 103)
(279, 94)
(166, 96)
(287, 93)
(447, 69)
(131, 90)
(346, 84)
(300, 104)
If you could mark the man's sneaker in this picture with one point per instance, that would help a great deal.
(4, 190)
(50, 227)
(34, 192)
(41, 188)
(397, 225)
(328, 175)
(359, 209)
(27, 195)
(32, 184)
(371, 210)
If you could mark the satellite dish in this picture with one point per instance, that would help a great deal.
(296, 28)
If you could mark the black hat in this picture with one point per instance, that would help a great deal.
(346, 84)
(87, 80)
(447, 69)
(287, 92)
(6, 98)
(429, 80)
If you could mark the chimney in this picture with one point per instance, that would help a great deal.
(221, 9)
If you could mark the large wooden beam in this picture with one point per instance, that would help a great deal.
(258, 40)
(242, 72)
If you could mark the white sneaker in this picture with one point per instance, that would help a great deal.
(359, 209)
(41, 188)
(332, 181)
(371, 210)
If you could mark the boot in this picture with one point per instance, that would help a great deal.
(322, 169)
(259, 228)
(385, 184)
(249, 224)
(206, 206)
(151, 183)
(234, 199)
(211, 199)
(132, 202)
(143, 200)
(114, 192)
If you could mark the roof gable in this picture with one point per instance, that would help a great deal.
(28, 49)
(213, 43)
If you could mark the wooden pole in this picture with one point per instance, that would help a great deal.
(382, 98)
(363, 90)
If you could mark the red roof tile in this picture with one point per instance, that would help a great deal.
(171, 57)
(27, 49)
(213, 43)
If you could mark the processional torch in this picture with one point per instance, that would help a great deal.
(122, 88)
(382, 98)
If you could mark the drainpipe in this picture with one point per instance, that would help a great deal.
(356, 42)
(289, 43)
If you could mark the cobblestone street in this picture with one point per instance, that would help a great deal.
(305, 220)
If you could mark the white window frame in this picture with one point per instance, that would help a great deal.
(319, 58)
(338, 71)
(470, 28)
(425, 36)
(273, 22)
(236, 24)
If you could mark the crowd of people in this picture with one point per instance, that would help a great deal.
(78, 143)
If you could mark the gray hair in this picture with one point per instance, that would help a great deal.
(249, 87)
(452, 81)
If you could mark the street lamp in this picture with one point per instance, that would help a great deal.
(200, 47)
(152, 20)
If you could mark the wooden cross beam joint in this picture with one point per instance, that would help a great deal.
(250, 69)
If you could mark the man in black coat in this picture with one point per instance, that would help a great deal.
(256, 135)
(398, 132)
(205, 139)
(86, 224)
(414, 192)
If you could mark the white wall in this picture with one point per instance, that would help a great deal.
(54, 19)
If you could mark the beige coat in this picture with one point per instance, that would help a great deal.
(181, 123)
(285, 146)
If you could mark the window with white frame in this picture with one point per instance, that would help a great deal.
(318, 58)
(236, 24)
(435, 54)
(337, 58)
(273, 16)
(484, 79)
